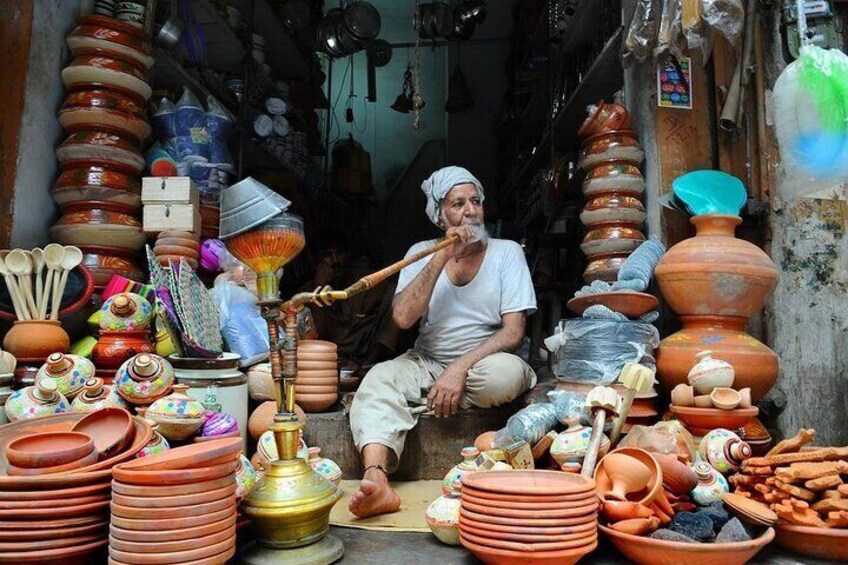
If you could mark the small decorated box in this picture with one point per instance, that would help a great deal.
(169, 190)
(171, 217)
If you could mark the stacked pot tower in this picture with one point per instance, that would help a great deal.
(614, 214)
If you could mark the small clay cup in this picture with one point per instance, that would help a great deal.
(745, 398)
(725, 398)
(703, 401)
(683, 395)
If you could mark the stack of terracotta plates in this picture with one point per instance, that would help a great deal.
(528, 516)
(176, 507)
(317, 385)
(57, 517)
(176, 245)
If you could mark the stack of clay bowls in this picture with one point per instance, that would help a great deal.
(528, 516)
(176, 507)
(317, 385)
(613, 187)
(171, 246)
(101, 160)
(61, 517)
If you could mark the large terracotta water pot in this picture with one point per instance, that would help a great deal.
(755, 364)
(714, 273)
(36, 339)
(113, 348)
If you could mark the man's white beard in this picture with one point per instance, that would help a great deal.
(480, 232)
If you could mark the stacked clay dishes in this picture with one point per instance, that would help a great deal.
(317, 384)
(176, 507)
(101, 160)
(613, 187)
(60, 517)
(528, 516)
(171, 246)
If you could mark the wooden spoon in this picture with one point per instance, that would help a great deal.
(20, 311)
(18, 264)
(53, 255)
(27, 284)
(72, 259)
(38, 263)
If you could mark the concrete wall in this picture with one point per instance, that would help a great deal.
(37, 167)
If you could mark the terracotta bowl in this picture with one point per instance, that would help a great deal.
(531, 505)
(824, 543)
(322, 357)
(311, 382)
(91, 223)
(174, 477)
(586, 523)
(177, 500)
(89, 145)
(611, 238)
(619, 145)
(54, 502)
(316, 402)
(645, 496)
(187, 252)
(49, 449)
(91, 180)
(35, 496)
(167, 491)
(105, 111)
(167, 512)
(104, 262)
(189, 556)
(586, 508)
(648, 551)
(316, 346)
(84, 461)
(604, 267)
(613, 176)
(705, 419)
(190, 533)
(212, 538)
(145, 525)
(494, 556)
(306, 365)
(56, 513)
(189, 456)
(540, 498)
(40, 534)
(529, 482)
(111, 428)
(315, 389)
(83, 554)
(613, 207)
(631, 304)
(86, 71)
(583, 540)
(112, 37)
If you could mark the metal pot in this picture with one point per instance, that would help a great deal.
(362, 21)
(170, 33)
(434, 19)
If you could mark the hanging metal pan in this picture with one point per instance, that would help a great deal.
(362, 21)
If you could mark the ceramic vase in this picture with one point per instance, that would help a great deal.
(96, 396)
(724, 450)
(144, 378)
(179, 416)
(41, 399)
(327, 468)
(113, 349)
(69, 372)
(571, 444)
(712, 486)
(755, 365)
(157, 443)
(36, 339)
(442, 516)
(125, 311)
(467, 465)
(245, 477)
(709, 373)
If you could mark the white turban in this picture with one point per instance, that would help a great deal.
(439, 184)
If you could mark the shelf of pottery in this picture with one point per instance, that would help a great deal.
(614, 214)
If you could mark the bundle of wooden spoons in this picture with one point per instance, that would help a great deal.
(31, 299)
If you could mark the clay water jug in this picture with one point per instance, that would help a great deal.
(467, 465)
(712, 486)
(724, 450)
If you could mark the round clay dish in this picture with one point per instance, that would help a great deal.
(78, 511)
(171, 546)
(497, 556)
(111, 428)
(48, 449)
(316, 402)
(80, 463)
(316, 345)
(53, 533)
(588, 508)
(529, 482)
(524, 497)
(169, 491)
(713, 418)
(528, 522)
(178, 242)
(175, 477)
(192, 533)
(588, 539)
(57, 494)
(223, 557)
(495, 529)
(172, 501)
(71, 555)
(304, 365)
(172, 523)
(63, 540)
(590, 531)
(188, 456)
(533, 506)
(312, 382)
(53, 503)
(317, 374)
(631, 304)
(187, 252)
(173, 557)
(168, 512)
(307, 355)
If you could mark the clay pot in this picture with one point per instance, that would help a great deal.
(105, 262)
(96, 396)
(724, 450)
(754, 364)
(93, 180)
(611, 238)
(605, 117)
(104, 111)
(89, 223)
(261, 419)
(246, 477)
(709, 373)
(725, 398)
(452, 480)
(111, 428)
(442, 516)
(619, 177)
(178, 415)
(623, 465)
(627, 475)
(714, 273)
(86, 71)
(612, 207)
(571, 444)
(41, 399)
(157, 443)
(317, 402)
(35, 339)
(618, 510)
(604, 267)
(70, 372)
(112, 37)
(327, 468)
(712, 486)
(484, 441)
(48, 449)
(125, 311)
(89, 146)
(683, 395)
(144, 378)
(678, 478)
(115, 348)
(612, 146)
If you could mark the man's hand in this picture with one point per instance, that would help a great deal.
(447, 391)
(467, 235)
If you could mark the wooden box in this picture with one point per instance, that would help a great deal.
(173, 190)
(171, 217)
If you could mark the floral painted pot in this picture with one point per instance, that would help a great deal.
(105, 262)
(605, 117)
(724, 450)
(327, 468)
(95, 396)
(144, 378)
(466, 466)
(246, 477)
(89, 223)
(157, 443)
(709, 373)
(620, 177)
(442, 516)
(87, 71)
(611, 238)
(104, 35)
(70, 373)
(712, 486)
(126, 311)
(113, 349)
(42, 399)
(571, 444)
(107, 111)
(612, 146)
(613, 207)
(179, 416)
(85, 146)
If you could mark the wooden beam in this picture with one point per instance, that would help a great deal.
(15, 31)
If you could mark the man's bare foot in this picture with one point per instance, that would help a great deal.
(373, 499)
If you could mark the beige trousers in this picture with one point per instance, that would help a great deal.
(394, 394)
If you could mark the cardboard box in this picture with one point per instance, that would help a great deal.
(171, 217)
(173, 190)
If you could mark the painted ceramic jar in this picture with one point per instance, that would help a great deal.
(93, 180)
(92, 145)
(157, 443)
(709, 373)
(100, 34)
(106, 111)
(144, 378)
(466, 466)
(605, 117)
(179, 416)
(96, 396)
(327, 468)
(619, 145)
(42, 399)
(712, 486)
(85, 71)
(69, 372)
(612, 207)
(163, 344)
(442, 516)
(571, 444)
(619, 177)
(604, 267)
(614, 237)
(219, 423)
(724, 450)
(88, 223)
(267, 448)
(126, 311)
(245, 477)
(113, 349)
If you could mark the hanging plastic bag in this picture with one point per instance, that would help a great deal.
(219, 126)
(727, 17)
(243, 328)
(192, 139)
(670, 37)
(642, 33)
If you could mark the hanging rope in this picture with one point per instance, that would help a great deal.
(802, 22)
(417, 99)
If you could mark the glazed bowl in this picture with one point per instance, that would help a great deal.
(604, 267)
(49, 449)
(100, 34)
(90, 145)
(619, 177)
(631, 304)
(823, 543)
(613, 146)
(649, 551)
(612, 207)
(86, 71)
(94, 180)
(611, 238)
(105, 111)
(706, 419)
(90, 223)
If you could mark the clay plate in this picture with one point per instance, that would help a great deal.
(589, 529)
(172, 523)
(824, 543)
(80, 510)
(660, 552)
(53, 503)
(631, 304)
(586, 538)
(73, 555)
(174, 557)
(111, 428)
(168, 512)
(87, 520)
(188, 456)
(529, 482)
(90, 490)
(192, 533)
(712, 418)
(86, 460)
(587, 508)
(223, 557)
(750, 510)
(496, 529)
(54, 533)
(531, 506)
(175, 477)
(541, 498)
(168, 491)
(59, 541)
(492, 556)
(528, 522)
(168, 501)
(48, 449)
(172, 546)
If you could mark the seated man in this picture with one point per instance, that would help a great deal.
(473, 299)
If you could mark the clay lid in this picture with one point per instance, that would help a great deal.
(123, 305)
(93, 389)
(58, 363)
(145, 365)
(469, 452)
(46, 390)
(750, 510)
(703, 470)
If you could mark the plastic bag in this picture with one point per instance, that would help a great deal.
(670, 37)
(568, 404)
(192, 139)
(594, 351)
(220, 127)
(727, 17)
(668, 437)
(164, 120)
(243, 328)
(642, 33)
(531, 423)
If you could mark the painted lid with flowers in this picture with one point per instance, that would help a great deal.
(68, 371)
(126, 311)
(143, 378)
(42, 399)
